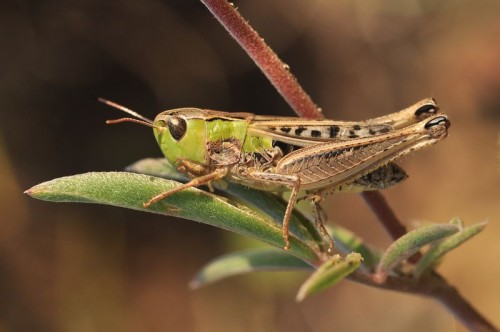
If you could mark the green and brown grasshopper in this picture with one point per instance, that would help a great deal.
(284, 153)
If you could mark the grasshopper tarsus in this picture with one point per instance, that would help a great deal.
(318, 221)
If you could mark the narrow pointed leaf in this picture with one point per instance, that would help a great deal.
(409, 244)
(443, 247)
(328, 274)
(246, 261)
(159, 167)
(271, 205)
(265, 202)
(458, 222)
(131, 190)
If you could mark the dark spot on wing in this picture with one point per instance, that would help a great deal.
(384, 130)
(371, 131)
(315, 133)
(334, 130)
(356, 127)
(272, 128)
(284, 147)
(285, 130)
(299, 130)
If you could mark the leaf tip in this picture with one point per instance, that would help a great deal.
(328, 274)
(301, 295)
(30, 192)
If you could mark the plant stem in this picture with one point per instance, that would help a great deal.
(434, 286)
(379, 206)
(384, 213)
(460, 307)
(265, 58)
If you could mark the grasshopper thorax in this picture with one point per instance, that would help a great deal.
(207, 138)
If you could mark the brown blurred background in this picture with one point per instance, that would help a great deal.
(95, 268)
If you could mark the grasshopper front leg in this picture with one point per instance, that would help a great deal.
(198, 181)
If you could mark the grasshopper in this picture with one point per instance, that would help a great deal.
(280, 154)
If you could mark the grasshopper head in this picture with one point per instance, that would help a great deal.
(181, 135)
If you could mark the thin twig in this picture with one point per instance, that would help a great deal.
(265, 58)
(280, 76)
(287, 85)
(456, 303)
(379, 206)
(384, 213)
(434, 286)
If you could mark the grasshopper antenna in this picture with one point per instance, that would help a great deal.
(124, 109)
(140, 119)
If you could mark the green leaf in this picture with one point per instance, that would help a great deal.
(409, 244)
(328, 274)
(159, 167)
(262, 259)
(443, 247)
(131, 190)
(267, 203)
(458, 222)
(271, 205)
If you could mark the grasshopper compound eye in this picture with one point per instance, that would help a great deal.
(177, 127)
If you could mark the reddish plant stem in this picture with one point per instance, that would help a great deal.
(436, 287)
(449, 296)
(379, 206)
(280, 76)
(384, 213)
(264, 57)
(286, 84)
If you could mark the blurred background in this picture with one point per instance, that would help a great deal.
(70, 267)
